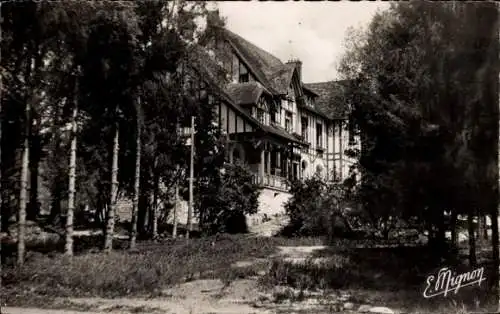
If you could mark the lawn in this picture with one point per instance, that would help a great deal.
(152, 267)
(387, 276)
(392, 276)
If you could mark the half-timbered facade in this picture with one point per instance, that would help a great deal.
(287, 130)
(282, 128)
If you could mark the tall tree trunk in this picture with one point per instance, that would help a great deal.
(142, 206)
(21, 221)
(453, 227)
(494, 245)
(154, 207)
(110, 217)
(490, 17)
(137, 180)
(472, 240)
(56, 184)
(68, 248)
(1, 177)
(191, 178)
(485, 227)
(441, 230)
(34, 162)
(479, 229)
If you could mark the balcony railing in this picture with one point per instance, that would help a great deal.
(269, 180)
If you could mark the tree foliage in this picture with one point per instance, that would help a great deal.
(226, 199)
(416, 89)
(130, 62)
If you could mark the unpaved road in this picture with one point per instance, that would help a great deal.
(17, 310)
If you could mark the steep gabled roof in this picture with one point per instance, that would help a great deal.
(282, 78)
(268, 69)
(246, 93)
(308, 90)
(331, 100)
(213, 74)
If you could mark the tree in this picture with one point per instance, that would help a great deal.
(227, 202)
(24, 26)
(137, 179)
(412, 91)
(110, 64)
(72, 178)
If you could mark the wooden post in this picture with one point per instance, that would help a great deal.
(174, 229)
(191, 175)
(262, 168)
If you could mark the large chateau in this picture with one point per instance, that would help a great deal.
(281, 127)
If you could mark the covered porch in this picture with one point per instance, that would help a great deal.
(274, 161)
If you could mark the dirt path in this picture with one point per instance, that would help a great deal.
(17, 310)
(242, 296)
(201, 296)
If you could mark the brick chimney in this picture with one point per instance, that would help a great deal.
(298, 66)
(214, 19)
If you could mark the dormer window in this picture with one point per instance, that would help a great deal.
(244, 75)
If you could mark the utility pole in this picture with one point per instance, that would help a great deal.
(191, 175)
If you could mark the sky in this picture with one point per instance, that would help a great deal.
(310, 31)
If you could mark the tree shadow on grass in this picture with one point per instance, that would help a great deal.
(399, 274)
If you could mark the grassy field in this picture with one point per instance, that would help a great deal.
(391, 276)
(151, 267)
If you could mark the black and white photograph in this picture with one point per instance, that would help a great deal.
(249, 157)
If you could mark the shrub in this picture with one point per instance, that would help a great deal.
(321, 209)
(305, 209)
(223, 206)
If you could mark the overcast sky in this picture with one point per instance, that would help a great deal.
(310, 31)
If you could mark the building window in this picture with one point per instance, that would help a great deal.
(288, 122)
(273, 116)
(319, 135)
(277, 114)
(244, 76)
(304, 126)
(261, 116)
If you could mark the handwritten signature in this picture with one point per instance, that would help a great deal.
(446, 282)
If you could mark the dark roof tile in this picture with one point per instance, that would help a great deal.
(269, 70)
(245, 93)
(280, 132)
(331, 99)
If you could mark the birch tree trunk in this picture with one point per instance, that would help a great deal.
(68, 247)
(154, 214)
(21, 221)
(110, 217)
(137, 180)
